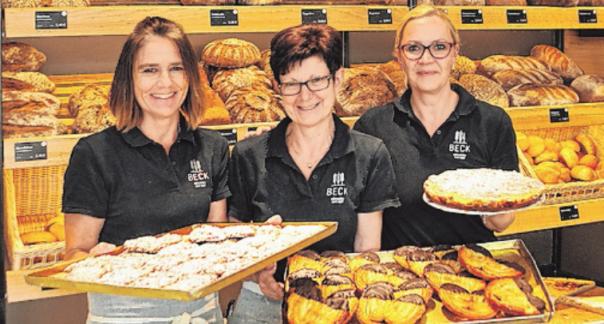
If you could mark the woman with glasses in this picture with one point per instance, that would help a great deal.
(436, 126)
(310, 167)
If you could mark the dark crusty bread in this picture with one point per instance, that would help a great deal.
(556, 61)
(495, 63)
(589, 87)
(484, 89)
(547, 95)
(511, 78)
(19, 57)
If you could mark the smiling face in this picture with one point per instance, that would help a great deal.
(160, 82)
(427, 74)
(309, 108)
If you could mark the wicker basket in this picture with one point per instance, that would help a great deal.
(32, 196)
(570, 191)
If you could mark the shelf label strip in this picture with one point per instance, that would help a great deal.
(569, 213)
(516, 16)
(51, 19)
(471, 16)
(379, 16)
(221, 17)
(31, 151)
(559, 115)
(314, 16)
(588, 16)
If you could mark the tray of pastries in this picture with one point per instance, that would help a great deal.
(493, 282)
(184, 264)
(482, 191)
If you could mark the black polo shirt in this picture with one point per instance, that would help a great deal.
(476, 135)
(128, 180)
(355, 176)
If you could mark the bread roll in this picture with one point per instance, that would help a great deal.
(364, 88)
(28, 81)
(556, 61)
(484, 89)
(21, 57)
(506, 2)
(534, 95)
(495, 63)
(463, 65)
(589, 87)
(230, 53)
(555, 3)
(396, 74)
(227, 81)
(511, 78)
(92, 94)
(254, 105)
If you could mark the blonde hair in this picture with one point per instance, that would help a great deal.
(422, 11)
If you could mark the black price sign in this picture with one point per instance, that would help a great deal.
(516, 16)
(569, 213)
(51, 19)
(471, 16)
(558, 115)
(314, 16)
(588, 16)
(379, 16)
(230, 135)
(220, 17)
(31, 151)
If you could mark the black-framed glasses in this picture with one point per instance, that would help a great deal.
(314, 84)
(438, 49)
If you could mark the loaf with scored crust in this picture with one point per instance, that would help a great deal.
(363, 88)
(542, 95)
(230, 53)
(484, 89)
(495, 63)
(511, 78)
(27, 81)
(557, 61)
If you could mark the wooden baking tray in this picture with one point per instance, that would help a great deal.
(55, 277)
(510, 250)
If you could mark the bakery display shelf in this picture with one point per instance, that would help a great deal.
(119, 20)
(557, 216)
(536, 117)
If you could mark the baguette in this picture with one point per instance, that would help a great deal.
(547, 95)
(495, 63)
(589, 87)
(511, 78)
(557, 61)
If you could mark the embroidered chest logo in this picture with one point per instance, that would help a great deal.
(460, 147)
(197, 175)
(338, 190)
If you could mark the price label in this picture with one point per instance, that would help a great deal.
(51, 19)
(314, 16)
(588, 16)
(471, 16)
(230, 135)
(569, 213)
(220, 17)
(379, 16)
(31, 151)
(516, 16)
(559, 115)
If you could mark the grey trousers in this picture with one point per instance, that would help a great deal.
(252, 308)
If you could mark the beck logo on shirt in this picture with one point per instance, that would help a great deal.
(197, 175)
(338, 190)
(460, 147)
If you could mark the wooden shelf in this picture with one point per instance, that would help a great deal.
(583, 114)
(119, 20)
(548, 217)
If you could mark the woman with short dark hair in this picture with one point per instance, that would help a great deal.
(311, 166)
(133, 179)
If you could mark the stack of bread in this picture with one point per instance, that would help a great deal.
(90, 107)
(246, 90)
(575, 159)
(29, 110)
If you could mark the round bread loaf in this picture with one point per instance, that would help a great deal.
(463, 65)
(363, 88)
(230, 53)
(485, 89)
(396, 75)
(589, 87)
(227, 81)
(92, 94)
(251, 105)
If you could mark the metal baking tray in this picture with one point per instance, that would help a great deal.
(509, 250)
(55, 277)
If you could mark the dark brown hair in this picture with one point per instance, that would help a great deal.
(122, 101)
(294, 44)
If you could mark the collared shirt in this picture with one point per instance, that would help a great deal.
(475, 135)
(130, 181)
(354, 176)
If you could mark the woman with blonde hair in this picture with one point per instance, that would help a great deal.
(436, 126)
(153, 172)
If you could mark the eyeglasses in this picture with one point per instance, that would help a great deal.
(316, 84)
(415, 51)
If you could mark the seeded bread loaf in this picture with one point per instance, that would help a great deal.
(485, 89)
(364, 88)
(20, 57)
(227, 81)
(250, 105)
(91, 94)
(27, 81)
(548, 95)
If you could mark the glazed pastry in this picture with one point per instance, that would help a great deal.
(506, 294)
(227, 81)
(439, 274)
(305, 259)
(402, 254)
(471, 306)
(363, 259)
(372, 273)
(406, 309)
(374, 303)
(417, 286)
(252, 106)
(479, 262)
(230, 53)
(335, 283)
(363, 89)
(419, 260)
